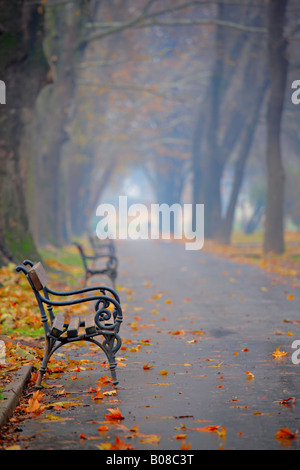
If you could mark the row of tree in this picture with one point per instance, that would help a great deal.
(183, 89)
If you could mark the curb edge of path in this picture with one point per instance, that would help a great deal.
(13, 392)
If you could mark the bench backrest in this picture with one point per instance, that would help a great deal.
(38, 276)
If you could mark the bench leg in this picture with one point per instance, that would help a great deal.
(113, 277)
(107, 347)
(43, 367)
(113, 373)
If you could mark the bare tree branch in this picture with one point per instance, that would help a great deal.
(146, 20)
(136, 88)
(228, 24)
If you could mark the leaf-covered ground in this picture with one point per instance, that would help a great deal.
(205, 360)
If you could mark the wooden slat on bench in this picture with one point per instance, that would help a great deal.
(38, 276)
(90, 326)
(73, 327)
(58, 326)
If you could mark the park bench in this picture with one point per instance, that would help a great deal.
(99, 247)
(105, 321)
(110, 264)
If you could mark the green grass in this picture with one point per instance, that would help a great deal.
(2, 397)
(28, 332)
(72, 270)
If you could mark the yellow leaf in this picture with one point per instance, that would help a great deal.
(135, 349)
(249, 374)
(277, 354)
(217, 365)
(151, 439)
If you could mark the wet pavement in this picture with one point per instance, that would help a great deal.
(202, 321)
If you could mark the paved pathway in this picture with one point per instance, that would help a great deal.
(218, 322)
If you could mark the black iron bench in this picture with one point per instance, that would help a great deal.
(110, 264)
(105, 321)
(99, 247)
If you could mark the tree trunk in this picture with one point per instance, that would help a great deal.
(64, 28)
(23, 68)
(226, 225)
(278, 66)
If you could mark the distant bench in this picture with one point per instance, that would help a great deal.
(108, 258)
(105, 321)
(102, 247)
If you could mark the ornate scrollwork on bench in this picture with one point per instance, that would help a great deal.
(105, 321)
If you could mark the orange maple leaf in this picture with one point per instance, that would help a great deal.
(220, 430)
(34, 405)
(115, 413)
(119, 445)
(98, 396)
(104, 380)
(147, 367)
(185, 446)
(285, 433)
(277, 354)
(102, 428)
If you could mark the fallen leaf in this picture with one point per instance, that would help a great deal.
(151, 439)
(180, 436)
(115, 413)
(285, 433)
(249, 374)
(217, 365)
(98, 396)
(104, 380)
(185, 446)
(135, 349)
(34, 404)
(119, 445)
(278, 354)
(102, 428)
(220, 430)
(147, 367)
(287, 401)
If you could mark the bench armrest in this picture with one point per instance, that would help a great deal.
(104, 299)
(102, 289)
